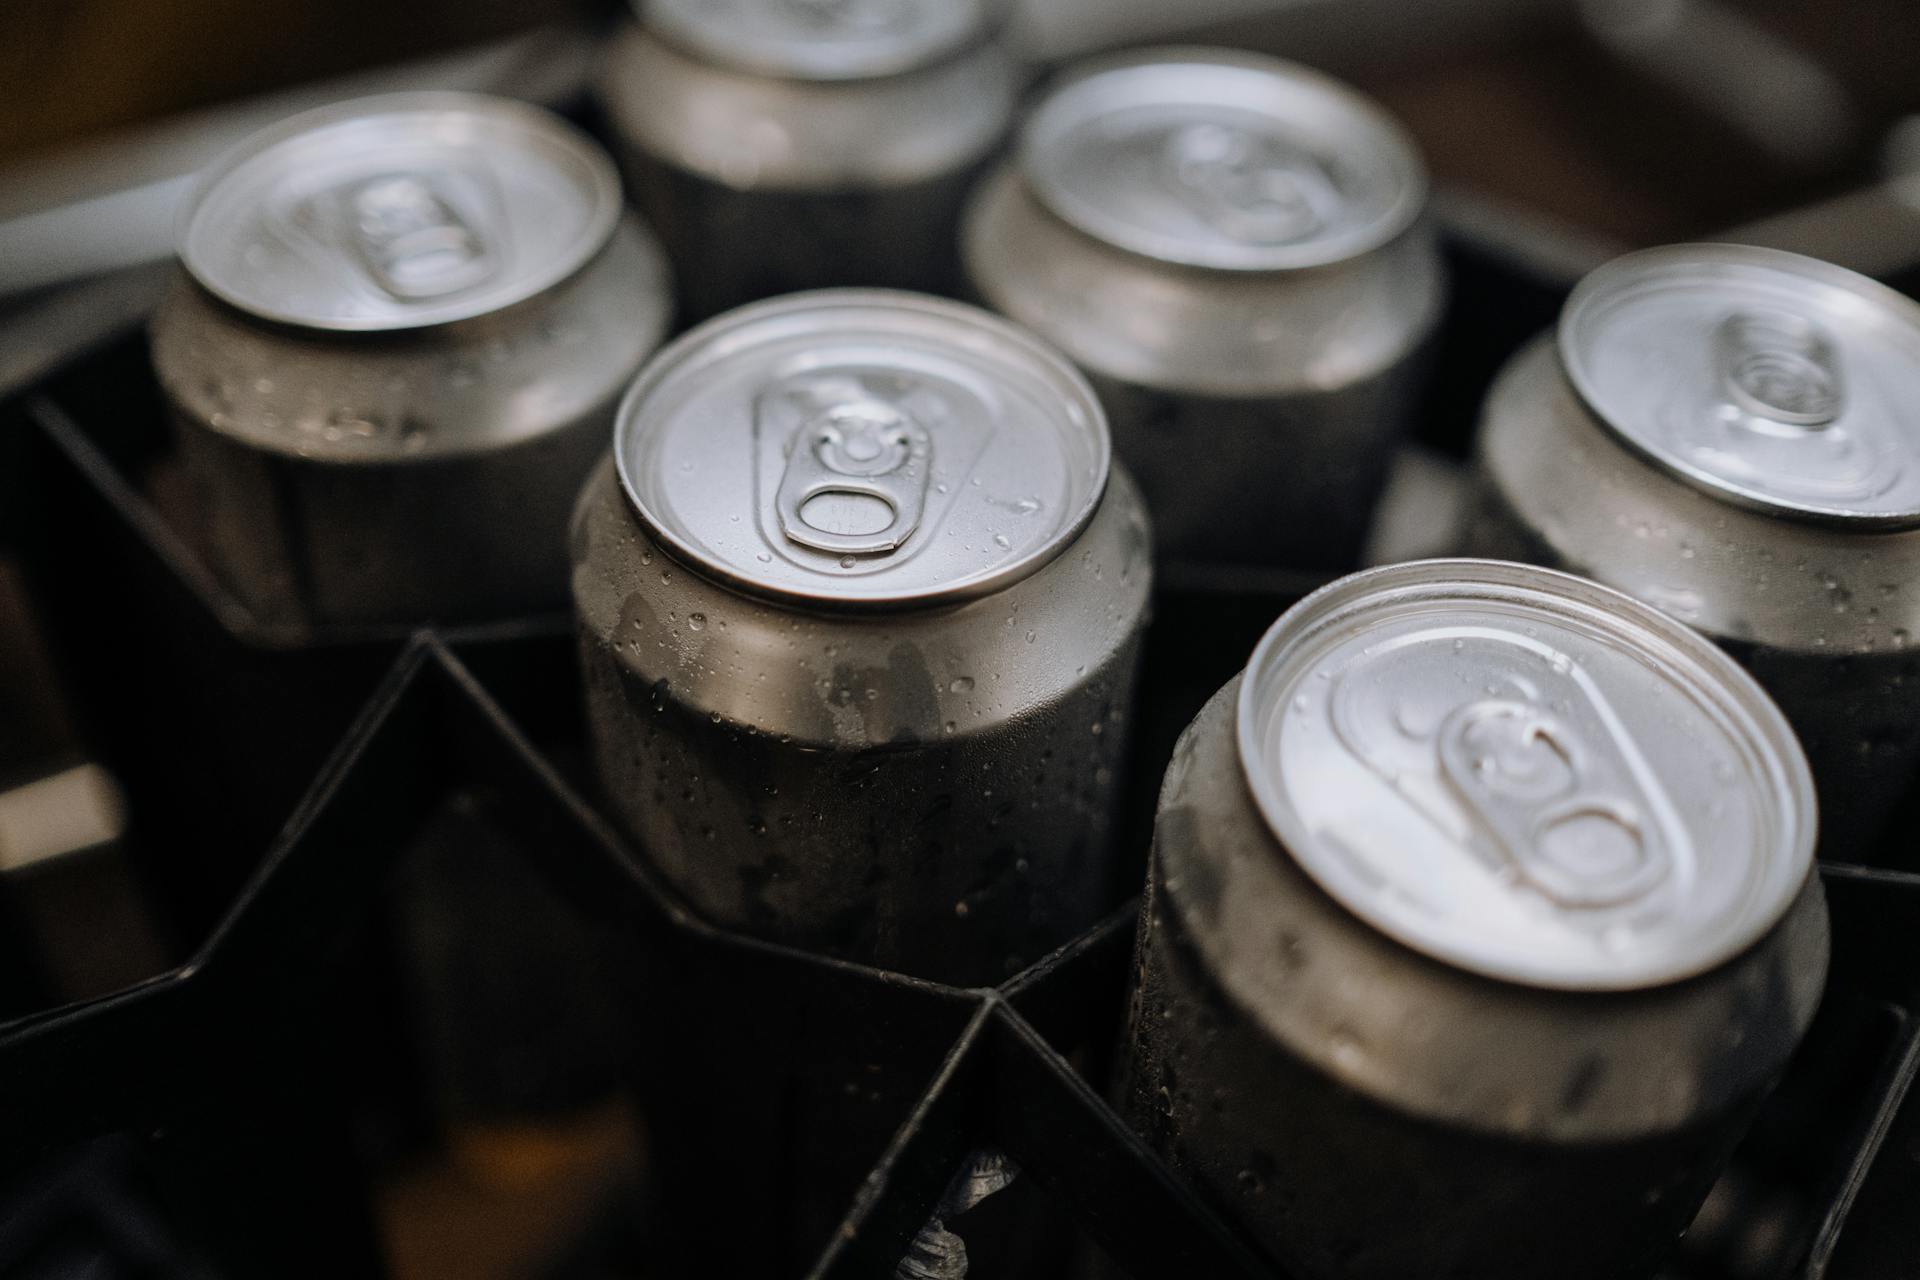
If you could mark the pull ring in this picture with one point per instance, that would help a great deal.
(862, 449)
(1565, 817)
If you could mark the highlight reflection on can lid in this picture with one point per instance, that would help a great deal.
(400, 211)
(820, 39)
(1212, 158)
(1767, 379)
(862, 447)
(1526, 775)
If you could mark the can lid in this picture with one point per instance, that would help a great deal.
(1767, 379)
(862, 448)
(1212, 158)
(1526, 775)
(400, 211)
(820, 39)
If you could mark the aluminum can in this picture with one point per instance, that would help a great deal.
(860, 598)
(1232, 248)
(1479, 919)
(782, 145)
(393, 354)
(1726, 433)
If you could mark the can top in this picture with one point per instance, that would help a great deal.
(853, 448)
(1767, 379)
(400, 211)
(827, 40)
(1213, 158)
(1526, 775)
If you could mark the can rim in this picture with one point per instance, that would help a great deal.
(1604, 283)
(688, 349)
(1757, 718)
(760, 60)
(1066, 107)
(604, 190)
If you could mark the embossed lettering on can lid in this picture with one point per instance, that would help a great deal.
(1212, 158)
(821, 39)
(1526, 775)
(400, 211)
(862, 447)
(1767, 379)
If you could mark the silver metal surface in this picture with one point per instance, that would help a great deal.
(457, 389)
(407, 474)
(764, 184)
(1822, 612)
(908, 755)
(929, 790)
(116, 202)
(1768, 379)
(861, 447)
(1458, 1126)
(1211, 158)
(1525, 774)
(820, 39)
(400, 212)
(1258, 408)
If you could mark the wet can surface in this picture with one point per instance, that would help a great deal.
(1232, 248)
(782, 145)
(860, 601)
(394, 353)
(1480, 917)
(1727, 433)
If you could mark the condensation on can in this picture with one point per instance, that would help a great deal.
(1232, 248)
(772, 164)
(1774, 511)
(1377, 1087)
(901, 745)
(394, 353)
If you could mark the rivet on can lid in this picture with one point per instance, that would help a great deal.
(1212, 158)
(1526, 775)
(821, 39)
(1767, 379)
(399, 212)
(862, 448)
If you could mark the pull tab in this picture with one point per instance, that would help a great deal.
(1249, 186)
(862, 450)
(1565, 818)
(1780, 367)
(413, 241)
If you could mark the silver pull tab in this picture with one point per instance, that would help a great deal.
(413, 241)
(1781, 367)
(1564, 817)
(1251, 187)
(867, 451)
